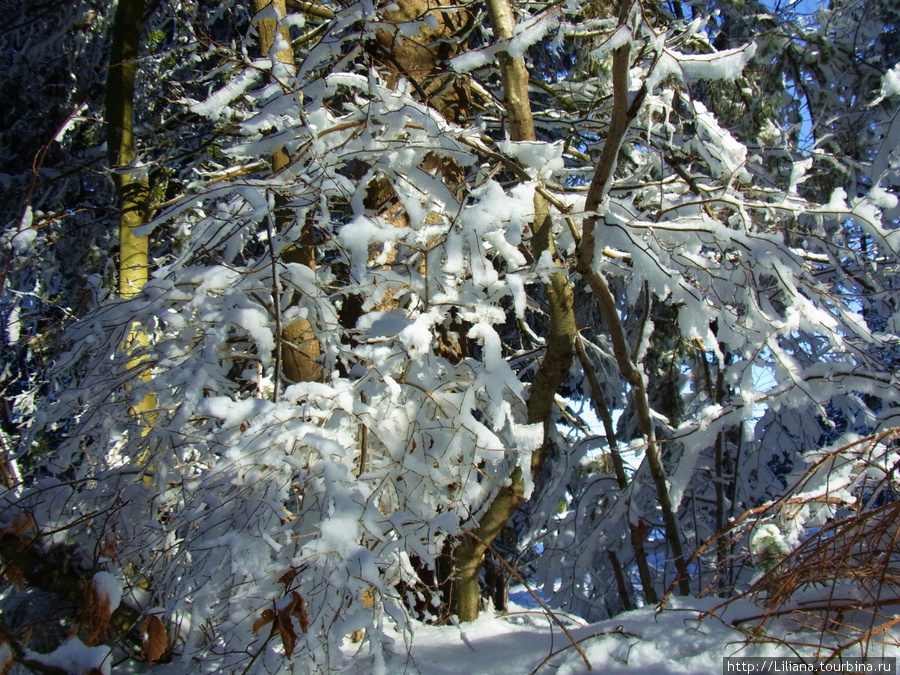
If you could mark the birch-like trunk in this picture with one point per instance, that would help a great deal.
(133, 192)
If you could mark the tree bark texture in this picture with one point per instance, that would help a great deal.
(622, 116)
(562, 328)
(133, 193)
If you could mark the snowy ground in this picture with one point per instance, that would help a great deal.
(524, 641)
(642, 641)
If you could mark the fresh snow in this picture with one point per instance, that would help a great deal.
(784, 301)
(108, 587)
(23, 239)
(525, 34)
(724, 65)
(73, 656)
(890, 84)
(680, 640)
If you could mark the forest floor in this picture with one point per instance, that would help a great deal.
(679, 639)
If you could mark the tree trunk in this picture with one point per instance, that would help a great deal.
(560, 339)
(625, 109)
(637, 537)
(133, 193)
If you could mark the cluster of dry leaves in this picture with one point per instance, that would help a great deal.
(24, 562)
(282, 624)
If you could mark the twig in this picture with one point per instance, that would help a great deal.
(276, 301)
(854, 557)
(258, 652)
(363, 442)
(514, 572)
(617, 631)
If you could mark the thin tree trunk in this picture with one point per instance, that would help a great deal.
(637, 537)
(622, 115)
(560, 341)
(620, 581)
(133, 193)
(268, 29)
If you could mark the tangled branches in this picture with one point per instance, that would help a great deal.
(827, 555)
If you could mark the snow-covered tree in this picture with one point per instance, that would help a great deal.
(396, 252)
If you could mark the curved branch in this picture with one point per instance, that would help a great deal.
(624, 112)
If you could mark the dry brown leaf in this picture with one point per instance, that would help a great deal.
(268, 616)
(155, 638)
(288, 577)
(285, 628)
(299, 610)
(96, 616)
(14, 574)
(108, 549)
(282, 622)
(289, 608)
(22, 523)
(26, 636)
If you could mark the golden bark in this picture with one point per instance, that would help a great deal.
(133, 193)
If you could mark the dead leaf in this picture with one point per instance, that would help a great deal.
(155, 638)
(285, 628)
(22, 523)
(299, 611)
(14, 574)
(282, 622)
(96, 615)
(296, 608)
(268, 616)
(6, 657)
(288, 577)
(108, 549)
